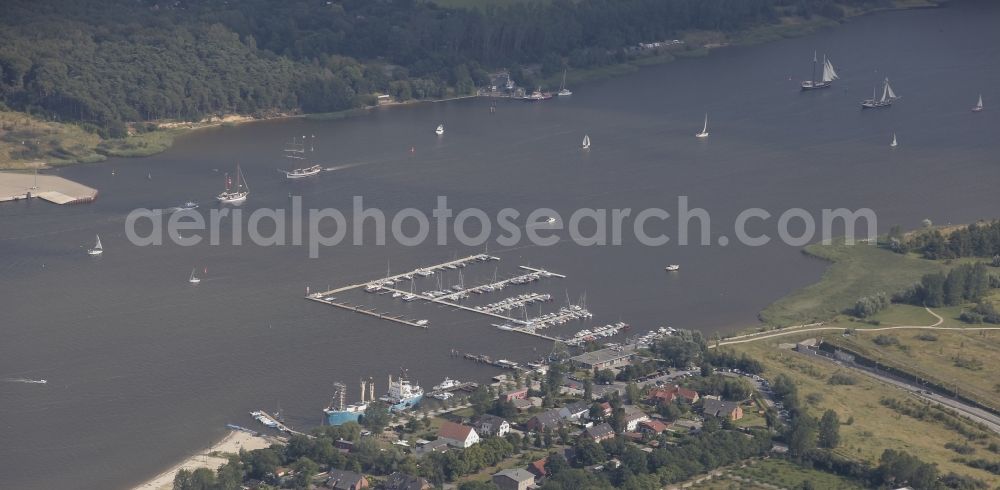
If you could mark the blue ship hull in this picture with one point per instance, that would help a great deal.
(340, 418)
(406, 404)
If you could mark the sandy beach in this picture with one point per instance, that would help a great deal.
(232, 443)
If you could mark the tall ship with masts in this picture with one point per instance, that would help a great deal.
(237, 192)
(339, 412)
(886, 100)
(828, 75)
(295, 153)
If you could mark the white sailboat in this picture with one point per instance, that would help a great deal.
(704, 129)
(829, 75)
(894, 142)
(194, 279)
(235, 195)
(296, 152)
(586, 142)
(979, 105)
(98, 249)
(440, 129)
(562, 88)
(888, 97)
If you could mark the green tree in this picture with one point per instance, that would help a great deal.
(829, 430)
(376, 417)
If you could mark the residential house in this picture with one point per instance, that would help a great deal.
(516, 479)
(345, 480)
(403, 481)
(511, 395)
(606, 410)
(457, 435)
(491, 425)
(669, 394)
(600, 432)
(632, 418)
(538, 468)
(575, 410)
(652, 427)
(549, 419)
(522, 405)
(719, 408)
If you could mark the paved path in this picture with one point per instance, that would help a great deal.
(811, 328)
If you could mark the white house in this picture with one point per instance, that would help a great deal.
(632, 418)
(458, 435)
(491, 425)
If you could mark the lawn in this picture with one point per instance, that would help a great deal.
(874, 427)
(949, 357)
(779, 472)
(855, 271)
(25, 140)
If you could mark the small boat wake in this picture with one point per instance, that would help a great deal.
(26, 380)
(342, 167)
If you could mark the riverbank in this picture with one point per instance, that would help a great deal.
(212, 458)
(29, 142)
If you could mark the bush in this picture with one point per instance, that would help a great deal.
(885, 340)
(971, 317)
(927, 337)
(841, 379)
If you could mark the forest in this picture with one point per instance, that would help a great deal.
(106, 63)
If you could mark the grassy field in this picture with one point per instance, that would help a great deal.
(29, 142)
(781, 473)
(949, 357)
(874, 427)
(856, 271)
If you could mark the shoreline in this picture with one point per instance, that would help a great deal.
(697, 44)
(211, 457)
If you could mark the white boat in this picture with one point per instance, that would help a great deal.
(894, 142)
(586, 142)
(443, 396)
(829, 75)
(421, 323)
(194, 279)
(550, 220)
(672, 267)
(98, 248)
(704, 129)
(979, 105)
(189, 205)
(888, 97)
(563, 91)
(235, 194)
(440, 129)
(448, 383)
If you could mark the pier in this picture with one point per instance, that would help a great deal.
(364, 311)
(16, 186)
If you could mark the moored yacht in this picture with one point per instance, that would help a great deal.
(234, 194)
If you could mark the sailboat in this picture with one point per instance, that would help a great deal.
(194, 279)
(704, 129)
(979, 105)
(829, 75)
(296, 152)
(888, 97)
(894, 142)
(98, 249)
(231, 196)
(586, 142)
(440, 129)
(562, 88)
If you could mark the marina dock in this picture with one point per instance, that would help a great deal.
(447, 298)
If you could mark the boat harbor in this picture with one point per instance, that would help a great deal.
(15, 186)
(508, 314)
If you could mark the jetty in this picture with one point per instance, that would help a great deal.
(368, 311)
(15, 186)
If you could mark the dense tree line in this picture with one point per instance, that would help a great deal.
(975, 240)
(964, 283)
(107, 62)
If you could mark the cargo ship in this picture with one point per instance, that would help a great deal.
(402, 394)
(339, 412)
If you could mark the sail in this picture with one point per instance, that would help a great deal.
(888, 90)
(885, 93)
(894, 143)
(829, 74)
(98, 246)
(705, 128)
(980, 103)
(586, 141)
